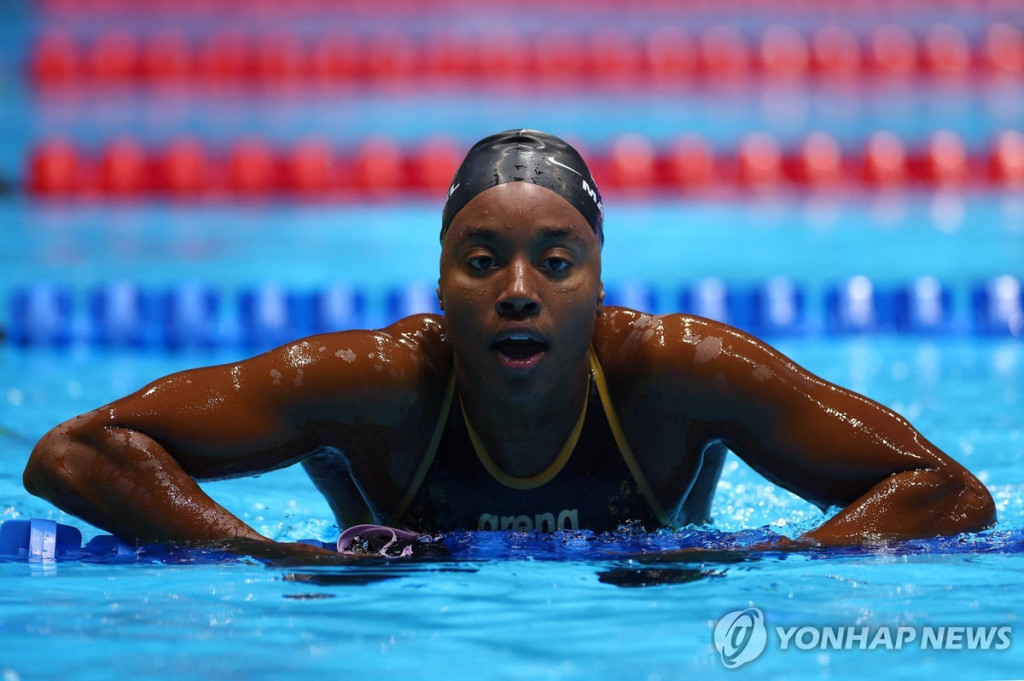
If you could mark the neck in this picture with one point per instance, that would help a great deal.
(523, 436)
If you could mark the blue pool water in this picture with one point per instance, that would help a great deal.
(722, 114)
(521, 607)
(959, 238)
(514, 606)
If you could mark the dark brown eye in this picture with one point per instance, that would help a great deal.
(555, 264)
(482, 262)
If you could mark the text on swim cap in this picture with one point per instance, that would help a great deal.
(592, 194)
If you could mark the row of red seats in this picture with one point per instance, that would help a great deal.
(668, 53)
(253, 167)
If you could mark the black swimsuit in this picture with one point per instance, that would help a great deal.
(595, 486)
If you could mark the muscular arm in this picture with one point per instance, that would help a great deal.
(829, 445)
(131, 467)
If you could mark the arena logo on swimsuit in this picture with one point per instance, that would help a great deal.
(568, 519)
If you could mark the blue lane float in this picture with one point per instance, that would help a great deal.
(999, 306)
(270, 315)
(38, 540)
(414, 298)
(337, 307)
(777, 308)
(194, 315)
(41, 542)
(121, 314)
(637, 295)
(188, 316)
(858, 306)
(925, 307)
(711, 298)
(41, 314)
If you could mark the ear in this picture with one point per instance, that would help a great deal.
(600, 301)
(440, 298)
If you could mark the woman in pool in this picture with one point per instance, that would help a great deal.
(527, 405)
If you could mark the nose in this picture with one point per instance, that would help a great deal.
(518, 298)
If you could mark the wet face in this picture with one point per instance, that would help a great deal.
(521, 289)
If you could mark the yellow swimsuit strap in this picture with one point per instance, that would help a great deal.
(556, 466)
(623, 444)
(428, 458)
(532, 481)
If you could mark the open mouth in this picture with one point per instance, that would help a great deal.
(519, 348)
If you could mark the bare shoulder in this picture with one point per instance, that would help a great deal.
(636, 341)
(275, 408)
(341, 376)
(411, 354)
(671, 340)
(684, 357)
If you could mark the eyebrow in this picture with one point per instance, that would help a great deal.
(569, 232)
(546, 233)
(481, 232)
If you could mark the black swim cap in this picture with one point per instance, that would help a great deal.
(526, 156)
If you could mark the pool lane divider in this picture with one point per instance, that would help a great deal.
(664, 55)
(198, 316)
(45, 543)
(187, 168)
(38, 540)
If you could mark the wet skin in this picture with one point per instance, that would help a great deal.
(521, 290)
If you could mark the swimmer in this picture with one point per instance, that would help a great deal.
(526, 405)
